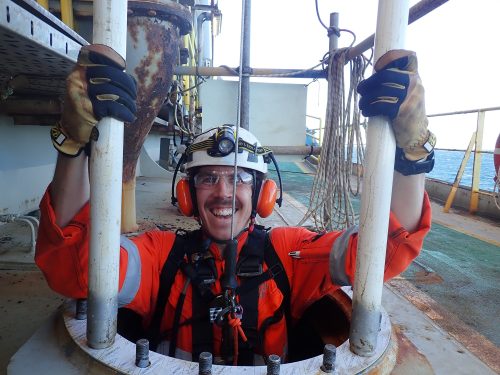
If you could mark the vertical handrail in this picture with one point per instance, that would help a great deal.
(67, 13)
(458, 178)
(110, 28)
(392, 20)
(320, 127)
(474, 196)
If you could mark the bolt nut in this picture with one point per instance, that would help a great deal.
(142, 353)
(205, 363)
(81, 309)
(273, 364)
(329, 356)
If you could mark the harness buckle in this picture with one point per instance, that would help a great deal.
(205, 269)
(249, 266)
(249, 270)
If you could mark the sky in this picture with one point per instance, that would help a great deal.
(456, 46)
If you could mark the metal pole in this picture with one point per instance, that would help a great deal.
(458, 177)
(488, 109)
(476, 171)
(226, 71)
(199, 26)
(239, 121)
(245, 67)
(67, 13)
(333, 36)
(392, 20)
(110, 28)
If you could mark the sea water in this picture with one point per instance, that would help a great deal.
(448, 162)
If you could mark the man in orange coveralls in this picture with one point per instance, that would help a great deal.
(201, 291)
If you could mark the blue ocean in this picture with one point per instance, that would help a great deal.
(448, 162)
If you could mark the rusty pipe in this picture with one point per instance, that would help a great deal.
(295, 150)
(225, 71)
(153, 37)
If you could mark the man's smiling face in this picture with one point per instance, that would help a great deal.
(214, 191)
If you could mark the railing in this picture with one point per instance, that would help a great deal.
(476, 142)
(475, 148)
(320, 129)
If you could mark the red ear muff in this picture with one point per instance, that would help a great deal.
(267, 198)
(184, 197)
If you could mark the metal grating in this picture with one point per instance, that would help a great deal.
(30, 46)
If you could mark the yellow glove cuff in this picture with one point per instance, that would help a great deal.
(421, 149)
(63, 144)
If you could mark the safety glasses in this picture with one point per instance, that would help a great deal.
(209, 179)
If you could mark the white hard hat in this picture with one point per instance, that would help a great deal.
(216, 147)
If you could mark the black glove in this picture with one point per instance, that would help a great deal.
(396, 91)
(96, 88)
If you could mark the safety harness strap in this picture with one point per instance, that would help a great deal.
(200, 270)
(248, 267)
(167, 276)
(202, 330)
(281, 279)
(203, 274)
(177, 318)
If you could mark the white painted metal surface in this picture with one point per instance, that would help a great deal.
(27, 160)
(148, 167)
(110, 28)
(277, 111)
(392, 21)
(121, 355)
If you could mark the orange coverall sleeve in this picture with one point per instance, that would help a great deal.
(62, 256)
(311, 274)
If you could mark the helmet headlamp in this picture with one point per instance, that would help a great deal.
(225, 146)
(225, 141)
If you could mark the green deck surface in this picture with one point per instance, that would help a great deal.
(468, 271)
(465, 271)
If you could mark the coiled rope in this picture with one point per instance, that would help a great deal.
(330, 205)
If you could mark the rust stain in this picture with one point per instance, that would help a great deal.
(476, 343)
(409, 360)
(154, 77)
(424, 277)
(133, 31)
(387, 361)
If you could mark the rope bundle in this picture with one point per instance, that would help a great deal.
(330, 204)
